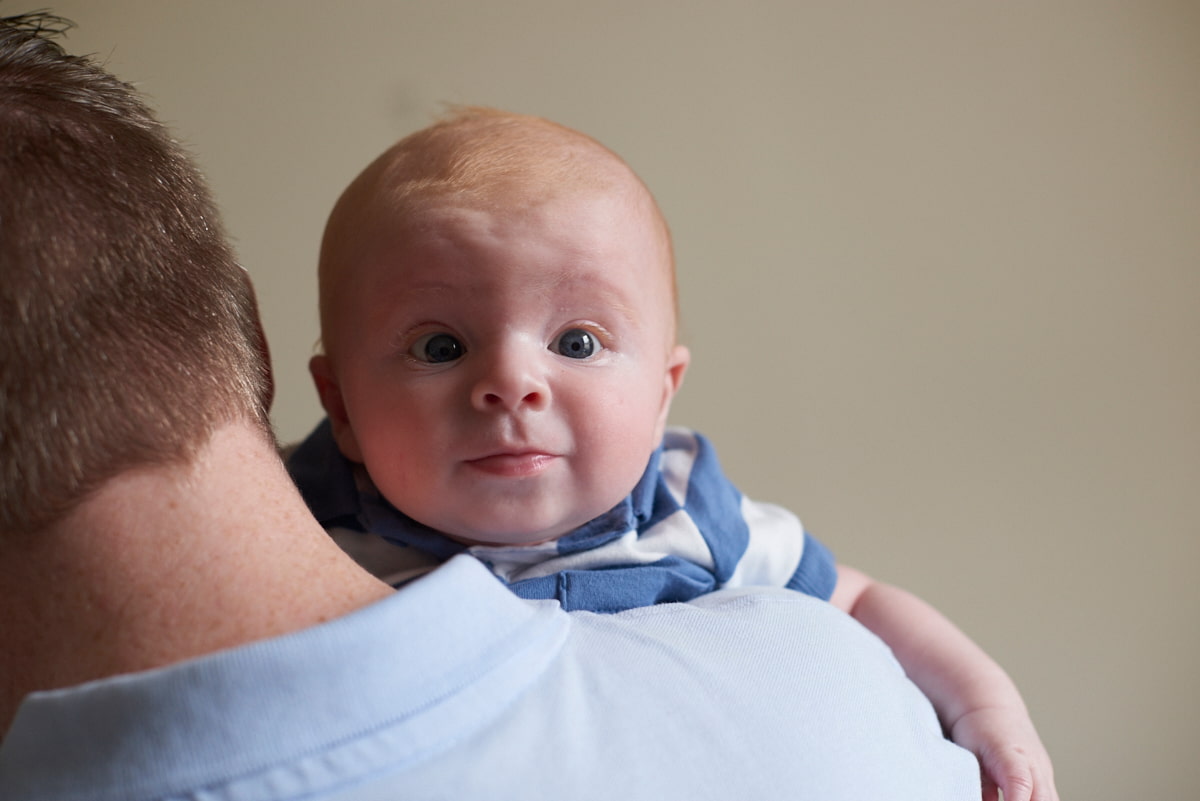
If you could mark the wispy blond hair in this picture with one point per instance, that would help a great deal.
(482, 157)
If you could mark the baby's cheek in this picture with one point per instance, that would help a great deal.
(620, 464)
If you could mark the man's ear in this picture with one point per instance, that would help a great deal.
(677, 363)
(335, 407)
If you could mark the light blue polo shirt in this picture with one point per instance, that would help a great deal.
(455, 688)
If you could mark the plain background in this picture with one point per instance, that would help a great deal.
(939, 264)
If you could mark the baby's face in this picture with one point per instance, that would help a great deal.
(505, 374)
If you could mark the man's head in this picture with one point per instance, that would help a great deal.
(128, 332)
(498, 316)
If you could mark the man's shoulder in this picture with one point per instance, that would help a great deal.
(755, 692)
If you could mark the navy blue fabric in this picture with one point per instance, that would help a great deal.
(816, 574)
(621, 587)
(326, 481)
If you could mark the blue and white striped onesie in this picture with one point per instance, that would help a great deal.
(685, 530)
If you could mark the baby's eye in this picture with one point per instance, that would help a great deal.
(436, 349)
(575, 343)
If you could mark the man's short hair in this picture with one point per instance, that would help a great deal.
(128, 332)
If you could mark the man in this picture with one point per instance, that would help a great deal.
(176, 624)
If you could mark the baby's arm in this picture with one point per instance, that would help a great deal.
(975, 699)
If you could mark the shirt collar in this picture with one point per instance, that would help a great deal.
(412, 666)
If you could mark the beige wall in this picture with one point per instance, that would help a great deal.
(940, 266)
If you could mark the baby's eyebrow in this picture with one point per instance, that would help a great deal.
(426, 291)
(609, 293)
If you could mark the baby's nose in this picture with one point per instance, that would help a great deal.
(510, 382)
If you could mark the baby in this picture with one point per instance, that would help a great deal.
(498, 322)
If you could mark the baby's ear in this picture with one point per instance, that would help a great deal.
(335, 407)
(677, 363)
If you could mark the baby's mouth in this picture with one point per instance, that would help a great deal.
(519, 464)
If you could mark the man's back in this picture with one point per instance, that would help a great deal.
(456, 689)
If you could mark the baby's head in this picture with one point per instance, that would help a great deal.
(498, 323)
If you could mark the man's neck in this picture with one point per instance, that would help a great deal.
(167, 563)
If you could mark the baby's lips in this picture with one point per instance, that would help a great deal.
(520, 464)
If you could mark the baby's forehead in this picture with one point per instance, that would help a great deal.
(584, 229)
(583, 245)
(424, 186)
(406, 210)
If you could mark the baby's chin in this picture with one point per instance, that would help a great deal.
(516, 539)
(513, 523)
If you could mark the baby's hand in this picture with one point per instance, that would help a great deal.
(1010, 753)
